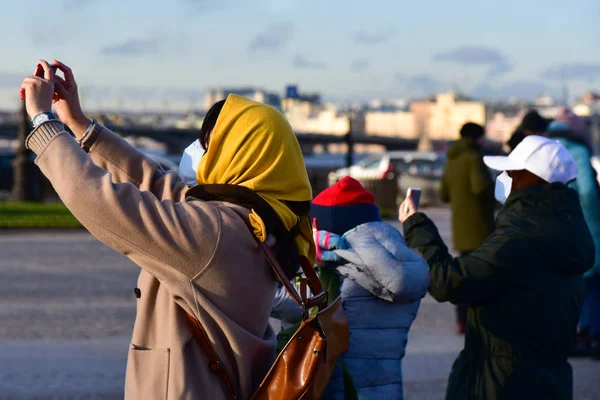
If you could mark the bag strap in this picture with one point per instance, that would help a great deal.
(319, 300)
(319, 297)
(214, 363)
(240, 195)
(250, 199)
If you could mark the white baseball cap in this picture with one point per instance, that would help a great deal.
(546, 158)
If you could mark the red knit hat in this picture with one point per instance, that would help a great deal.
(343, 207)
(348, 191)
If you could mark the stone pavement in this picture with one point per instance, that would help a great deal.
(67, 309)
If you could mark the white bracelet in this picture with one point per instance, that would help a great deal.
(89, 128)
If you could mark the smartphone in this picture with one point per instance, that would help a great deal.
(40, 70)
(415, 194)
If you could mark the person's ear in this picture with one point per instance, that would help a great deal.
(516, 177)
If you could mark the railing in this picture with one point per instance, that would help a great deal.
(174, 135)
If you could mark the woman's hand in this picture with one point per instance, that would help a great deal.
(66, 101)
(38, 91)
(407, 209)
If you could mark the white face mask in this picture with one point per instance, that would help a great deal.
(190, 159)
(503, 187)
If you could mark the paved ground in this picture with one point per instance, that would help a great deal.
(67, 309)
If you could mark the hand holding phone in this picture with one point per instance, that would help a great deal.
(415, 195)
(39, 71)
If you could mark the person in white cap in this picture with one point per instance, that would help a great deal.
(524, 285)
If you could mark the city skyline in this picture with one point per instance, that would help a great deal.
(148, 53)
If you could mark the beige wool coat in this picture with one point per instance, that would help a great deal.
(195, 256)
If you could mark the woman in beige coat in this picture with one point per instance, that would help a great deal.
(197, 257)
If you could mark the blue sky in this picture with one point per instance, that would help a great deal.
(166, 53)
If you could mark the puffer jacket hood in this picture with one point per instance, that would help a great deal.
(377, 258)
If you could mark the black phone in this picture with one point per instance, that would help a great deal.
(415, 194)
(40, 70)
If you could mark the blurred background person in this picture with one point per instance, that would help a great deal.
(570, 130)
(468, 186)
(534, 124)
(517, 136)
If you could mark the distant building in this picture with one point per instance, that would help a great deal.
(546, 106)
(502, 120)
(388, 105)
(191, 120)
(395, 123)
(591, 98)
(300, 104)
(307, 114)
(449, 112)
(292, 92)
(588, 106)
(306, 117)
(262, 96)
(436, 119)
(421, 111)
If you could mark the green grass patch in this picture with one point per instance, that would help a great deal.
(26, 215)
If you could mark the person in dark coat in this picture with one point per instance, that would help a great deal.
(531, 124)
(517, 136)
(534, 124)
(524, 285)
(468, 186)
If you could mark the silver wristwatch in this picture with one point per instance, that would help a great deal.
(41, 118)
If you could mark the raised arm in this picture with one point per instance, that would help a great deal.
(107, 150)
(128, 164)
(156, 234)
(473, 278)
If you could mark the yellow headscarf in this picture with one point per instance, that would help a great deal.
(254, 146)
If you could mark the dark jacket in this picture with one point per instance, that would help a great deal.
(524, 290)
(468, 186)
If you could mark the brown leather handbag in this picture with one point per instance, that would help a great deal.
(304, 367)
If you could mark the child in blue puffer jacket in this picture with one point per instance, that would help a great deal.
(381, 283)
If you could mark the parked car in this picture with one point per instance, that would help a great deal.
(7, 157)
(6, 169)
(411, 168)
